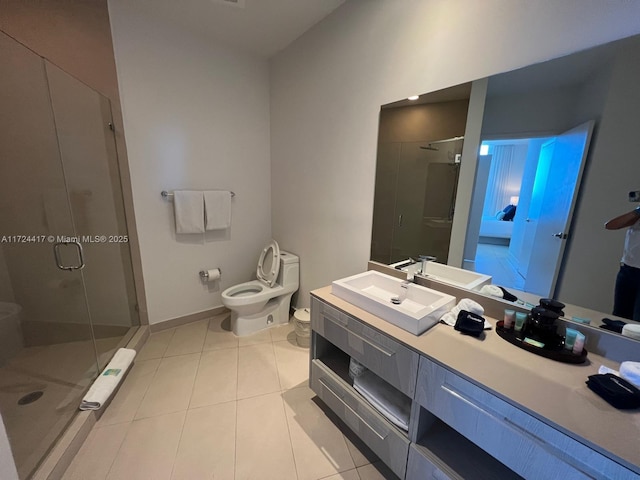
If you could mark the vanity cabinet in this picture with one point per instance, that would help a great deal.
(389, 359)
(458, 429)
(336, 337)
(520, 441)
(387, 441)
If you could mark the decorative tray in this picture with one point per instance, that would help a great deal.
(559, 353)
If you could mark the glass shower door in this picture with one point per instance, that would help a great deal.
(48, 355)
(426, 186)
(88, 153)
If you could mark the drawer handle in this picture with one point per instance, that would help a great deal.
(527, 434)
(331, 318)
(326, 385)
(550, 448)
(498, 418)
(574, 462)
(385, 352)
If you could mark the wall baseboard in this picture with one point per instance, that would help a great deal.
(192, 317)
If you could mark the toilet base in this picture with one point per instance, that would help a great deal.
(275, 312)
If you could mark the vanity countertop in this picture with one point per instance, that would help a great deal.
(553, 392)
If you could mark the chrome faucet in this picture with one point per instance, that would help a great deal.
(424, 259)
(397, 300)
(412, 270)
(405, 288)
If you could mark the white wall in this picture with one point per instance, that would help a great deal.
(196, 116)
(326, 89)
(536, 113)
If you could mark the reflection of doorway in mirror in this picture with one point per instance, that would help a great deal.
(511, 166)
(537, 180)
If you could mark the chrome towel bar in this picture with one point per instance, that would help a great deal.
(166, 194)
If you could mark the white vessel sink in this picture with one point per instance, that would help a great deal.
(452, 275)
(372, 291)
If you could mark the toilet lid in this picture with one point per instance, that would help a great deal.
(269, 264)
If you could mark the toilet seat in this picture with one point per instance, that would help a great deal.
(269, 276)
(262, 303)
(245, 290)
(248, 293)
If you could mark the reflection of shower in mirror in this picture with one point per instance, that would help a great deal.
(430, 146)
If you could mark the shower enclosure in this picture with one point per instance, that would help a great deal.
(67, 297)
(415, 192)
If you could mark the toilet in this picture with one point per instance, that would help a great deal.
(264, 302)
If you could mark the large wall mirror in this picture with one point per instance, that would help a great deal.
(583, 107)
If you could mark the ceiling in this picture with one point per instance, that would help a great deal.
(260, 27)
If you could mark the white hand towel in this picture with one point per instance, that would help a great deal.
(631, 330)
(217, 205)
(188, 206)
(108, 380)
(630, 371)
(602, 370)
(465, 304)
(384, 398)
(492, 290)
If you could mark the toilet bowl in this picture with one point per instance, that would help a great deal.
(265, 302)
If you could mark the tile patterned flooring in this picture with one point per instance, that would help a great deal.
(201, 403)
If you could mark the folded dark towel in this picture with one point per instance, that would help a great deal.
(615, 390)
(469, 323)
(613, 325)
(507, 295)
(611, 329)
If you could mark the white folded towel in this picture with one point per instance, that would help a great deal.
(465, 304)
(392, 404)
(602, 370)
(217, 205)
(630, 371)
(188, 206)
(631, 330)
(492, 290)
(108, 380)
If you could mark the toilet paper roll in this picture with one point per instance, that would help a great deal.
(213, 275)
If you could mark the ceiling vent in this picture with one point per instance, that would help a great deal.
(231, 3)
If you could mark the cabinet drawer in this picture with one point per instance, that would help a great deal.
(388, 359)
(419, 467)
(384, 439)
(528, 446)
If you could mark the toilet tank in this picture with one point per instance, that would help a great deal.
(289, 269)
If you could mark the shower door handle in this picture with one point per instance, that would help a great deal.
(56, 253)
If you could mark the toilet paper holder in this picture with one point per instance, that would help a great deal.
(204, 274)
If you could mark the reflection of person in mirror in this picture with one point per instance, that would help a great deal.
(626, 300)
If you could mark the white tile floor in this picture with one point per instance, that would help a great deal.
(200, 403)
